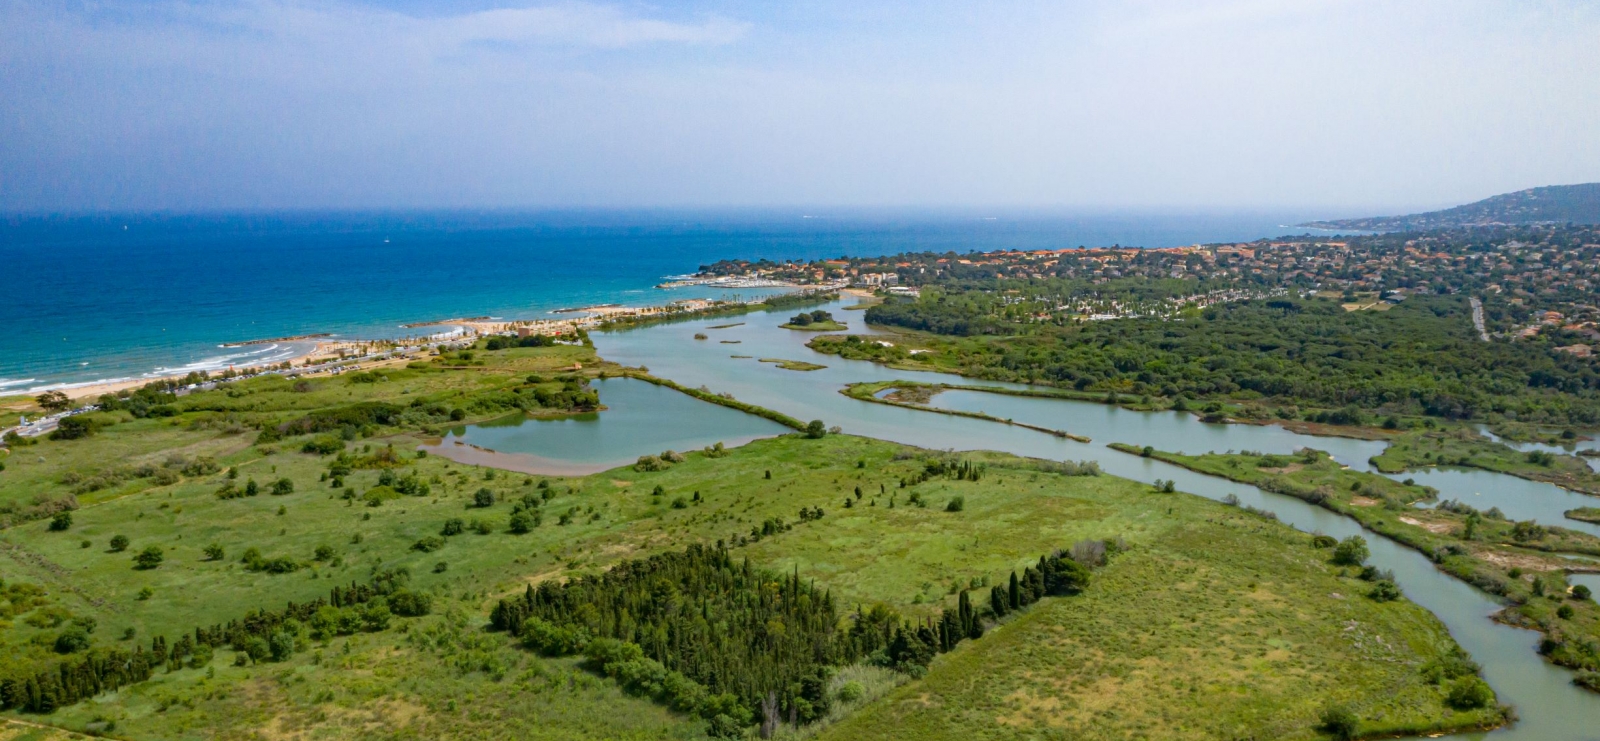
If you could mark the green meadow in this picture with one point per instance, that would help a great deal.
(1208, 622)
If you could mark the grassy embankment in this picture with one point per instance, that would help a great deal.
(1518, 563)
(1239, 596)
(1465, 447)
(1584, 514)
(913, 395)
(772, 303)
(828, 326)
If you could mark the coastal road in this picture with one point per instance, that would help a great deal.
(1477, 319)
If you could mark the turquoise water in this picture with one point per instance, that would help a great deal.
(641, 418)
(103, 297)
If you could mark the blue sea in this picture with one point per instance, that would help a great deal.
(93, 298)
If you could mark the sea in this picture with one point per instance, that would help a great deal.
(93, 298)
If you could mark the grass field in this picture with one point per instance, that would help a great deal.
(1520, 563)
(1213, 621)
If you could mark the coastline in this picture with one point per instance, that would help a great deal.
(356, 352)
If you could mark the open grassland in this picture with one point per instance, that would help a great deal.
(1519, 563)
(1211, 620)
(1224, 627)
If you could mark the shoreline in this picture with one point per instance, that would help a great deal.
(326, 350)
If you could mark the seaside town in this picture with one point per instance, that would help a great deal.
(1542, 276)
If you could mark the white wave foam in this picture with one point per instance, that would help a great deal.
(4, 382)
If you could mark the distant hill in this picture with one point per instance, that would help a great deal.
(1559, 204)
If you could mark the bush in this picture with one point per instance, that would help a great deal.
(407, 603)
(650, 464)
(1580, 592)
(214, 552)
(148, 558)
(72, 640)
(523, 522)
(483, 498)
(453, 526)
(956, 504)
(75, 427)
(1323, 541)
(62, 521)
(282, 487)
(119, 543)
(377, 495)
(1468, 693)
(1340, 722)
(1351, 551)
(1384, 591)
(815, 429)
(428, 544)
(851, 691)
(323, 445)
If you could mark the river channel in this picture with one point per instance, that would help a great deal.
(1549, 705)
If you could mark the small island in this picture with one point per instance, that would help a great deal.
(794, 365)
(814, 321)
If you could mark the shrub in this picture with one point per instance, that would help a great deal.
(1323, 541)
(956, 504)
(1340, 722)
(72, 640)
(1351, 551)
(322, 553)
(1384, 591)
(428, 544)
(1580, 592)
(815, 429)
(148, 558)
(62, 521)
(851, 691)
(323, 445)
(74, 428)
(680, 503)
(453, 526)
(119, 543)
(282, 486)
(214, 552)
(377, 495)
(1468, 693)
(1565, 612)
(523, 522)
(407, 603)
(483, 498)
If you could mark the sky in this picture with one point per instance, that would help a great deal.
(1349, 107)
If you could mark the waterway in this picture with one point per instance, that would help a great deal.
(1549, 705)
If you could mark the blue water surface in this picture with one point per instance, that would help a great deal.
(86, 298)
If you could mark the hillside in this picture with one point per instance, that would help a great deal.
(1551, 204)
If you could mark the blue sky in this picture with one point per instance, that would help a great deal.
(1345, 105)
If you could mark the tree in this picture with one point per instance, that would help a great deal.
(522, 522)
(483, 498)
(149, 558)
(251, 488)
(1351, 551)
(119, 543)
(54, 401)
(61, 521)
(816, 429)
(282, 486)
(75, 427)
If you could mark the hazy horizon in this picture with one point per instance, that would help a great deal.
(1331, 109)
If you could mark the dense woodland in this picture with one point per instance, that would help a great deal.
(1420, 357)
(737, 644)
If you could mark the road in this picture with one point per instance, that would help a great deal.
(1477, 319)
